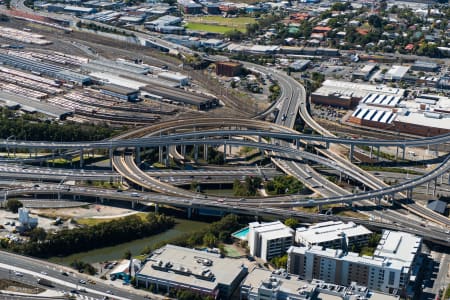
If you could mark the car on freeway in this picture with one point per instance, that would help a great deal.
(18, 274)
(44, 273)
(82, 281)
(64, 273)
(109, 292)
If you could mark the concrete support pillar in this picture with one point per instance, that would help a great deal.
(111, 154)
(59, 196)
(327, 145)
(195, 152)
(183, 150)
(404, 152)
(189, 212)
(29, 153)
(319, 208)
(435, 186)
(371, 152)
(138, 155)
(224, 153)
(350, 154)
(102, 200)
(378, 154)
(396, 152)
(297, 143)
(160, 154)
(35, 153)
(428, 188)
(53, 157)
(205, 152)
(167, 158)
(133, 204)
(409, 193)
(156, 208)
(81, 158)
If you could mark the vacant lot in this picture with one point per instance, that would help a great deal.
(219, 24)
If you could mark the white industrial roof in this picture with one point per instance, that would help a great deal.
(363, 87)
(421, 119)
(380, 100)
(396, 72)
(376, 115)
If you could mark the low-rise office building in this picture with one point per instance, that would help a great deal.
(183, 268)
(330, 234)
(389, 270)
(268, 240)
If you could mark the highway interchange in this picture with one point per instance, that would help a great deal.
(286, 150)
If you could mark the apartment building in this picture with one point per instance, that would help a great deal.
(329, 234)
(268, 240)
(389, 270)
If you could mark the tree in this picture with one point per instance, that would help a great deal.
(127, 254)
(234, 35)
(279, 261)
(291, 222)
(209, 240)
(38, 234)
(375, 21)
(13, 205)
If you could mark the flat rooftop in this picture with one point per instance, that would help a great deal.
(290, 285)
(329, 231)
(188, 265)
(363, 87)
(400, 246)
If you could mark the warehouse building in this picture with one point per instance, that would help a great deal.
(43, 68)
(115, 66)
(173, 267)
(300, 65)
(348, 94)
(268, 240)
(79, 10)
(377, 118)
(396, 73)
(180, 79)
(365, 72)
(390, 270)
(32, 106)
(177, 96)
(425, 66)
(228, 68)
(329, 234)
(423, 124)
(123, 93)
(378, 100)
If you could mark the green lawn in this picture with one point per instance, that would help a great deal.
(207, 28)
(218, 24)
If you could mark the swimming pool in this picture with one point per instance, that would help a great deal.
(241, 234)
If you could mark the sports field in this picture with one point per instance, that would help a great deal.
(218, 24)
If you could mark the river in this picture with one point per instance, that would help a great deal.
(116, 252)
